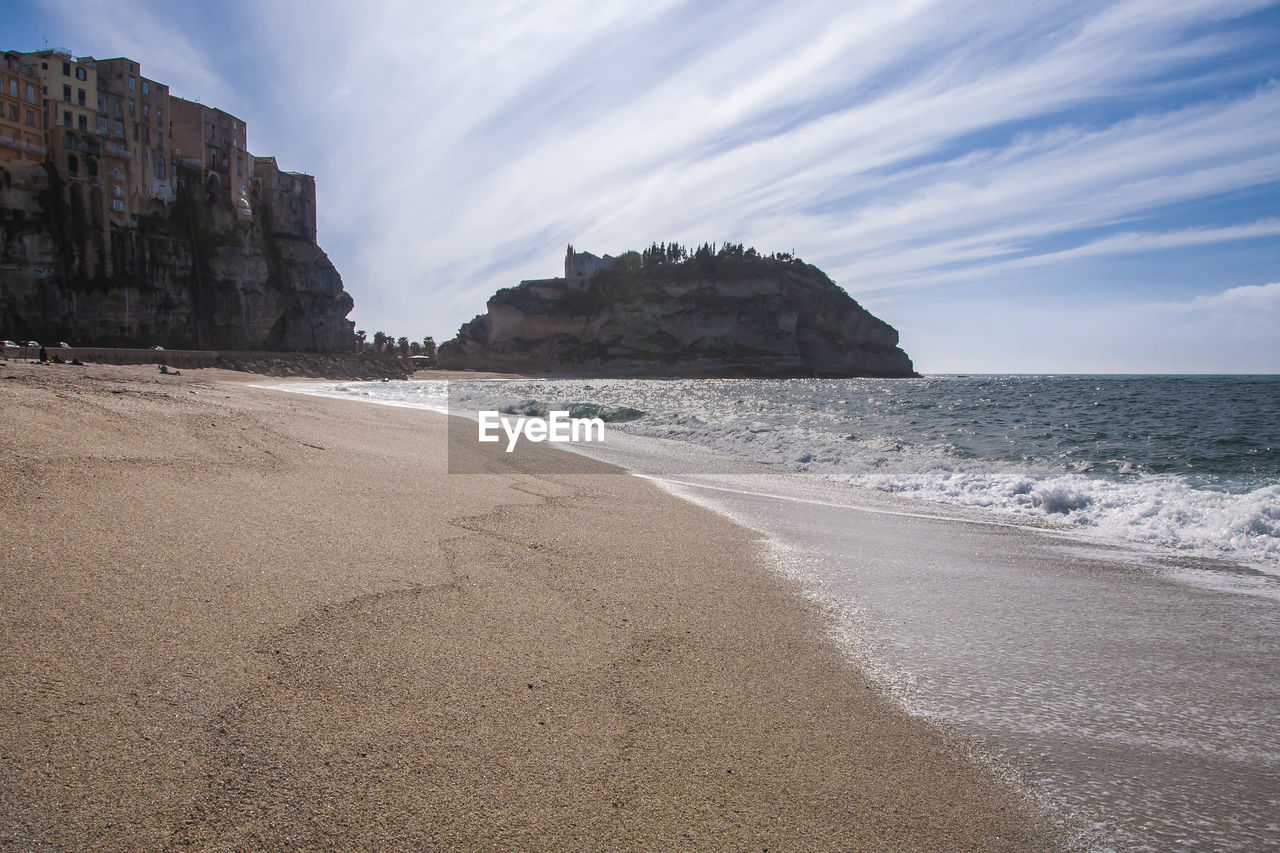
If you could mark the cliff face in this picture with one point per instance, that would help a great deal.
(760, 318)
(190, 275)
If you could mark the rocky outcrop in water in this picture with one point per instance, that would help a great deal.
(666, 312)
(191, 274)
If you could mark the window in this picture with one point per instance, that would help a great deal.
(119, 130)
(115, 173)
(102, 125)
(135, 131)
(160, 168)
(80, 97)
(133, 83)
(131, 106)
(146, 135)
(73, 164)
(117, 204)
(146, 87)
(66, 69)
(31, 118)
(44, 66)
(13, 88)
(81, 74)
(66, 94)
(83, 123)
(146, 111)
(239, 167)
(31, 94)
(119, 110)
(13, 112)
(160, 116)
(66, 119)
(92, 166)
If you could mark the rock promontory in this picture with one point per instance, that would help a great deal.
(726, 312)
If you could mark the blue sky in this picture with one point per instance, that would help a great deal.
(1016, 187)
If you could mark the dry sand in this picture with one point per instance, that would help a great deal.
(239, 619)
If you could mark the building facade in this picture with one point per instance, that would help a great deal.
(69, 94)
(116, 139)
(134, 113)
(22, 131)
(214, 141)
(290, 196)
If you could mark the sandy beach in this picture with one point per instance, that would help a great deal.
(236, 618)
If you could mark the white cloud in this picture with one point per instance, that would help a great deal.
(1248, 298)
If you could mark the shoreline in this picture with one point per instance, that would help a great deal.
(276, 620)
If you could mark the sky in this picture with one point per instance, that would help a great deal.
(1016, 187)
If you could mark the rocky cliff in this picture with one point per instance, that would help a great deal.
(191, 274)
(664, 312)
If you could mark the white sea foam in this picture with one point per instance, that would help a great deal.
(1152, 509)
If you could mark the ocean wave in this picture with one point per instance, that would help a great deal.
(1165, 510)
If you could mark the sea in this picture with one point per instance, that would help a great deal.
(1078, 575)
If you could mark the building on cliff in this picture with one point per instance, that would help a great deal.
(580, 266)
(22, 134)
(215, 142)
(129, 216)
(290, 197)
(132, 117)
(69, 97)
(100, 123)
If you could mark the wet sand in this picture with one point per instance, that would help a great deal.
(239, 619)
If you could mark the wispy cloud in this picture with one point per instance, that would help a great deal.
(148, 33)
(899, 145)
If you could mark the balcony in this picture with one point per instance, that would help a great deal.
(22, 145)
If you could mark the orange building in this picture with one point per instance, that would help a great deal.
(134, 113)
(214, 141)
(22, 134)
